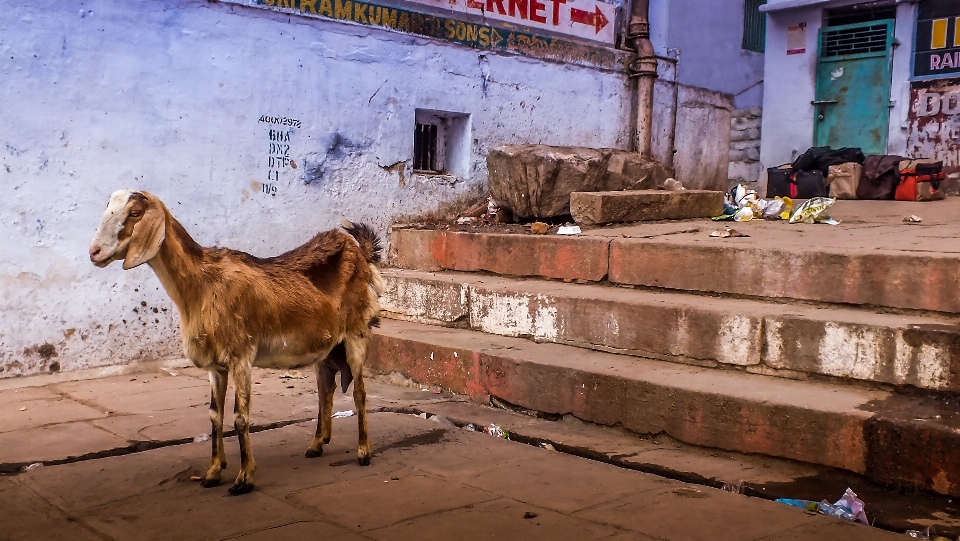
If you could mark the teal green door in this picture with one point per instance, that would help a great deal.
(852, 107)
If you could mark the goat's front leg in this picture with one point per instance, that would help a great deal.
(241, 410)
(218, 460)
(356, 355)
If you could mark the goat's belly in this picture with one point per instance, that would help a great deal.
(287, 360)
(284, 361)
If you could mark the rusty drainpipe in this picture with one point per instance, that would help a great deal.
(645, 71)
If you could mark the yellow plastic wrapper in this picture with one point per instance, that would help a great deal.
(787, 207)
(814, 210)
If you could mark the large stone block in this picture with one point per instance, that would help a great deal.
(535, 181)
(636, 205)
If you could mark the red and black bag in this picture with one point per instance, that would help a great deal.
(920, 180)
(784, 182)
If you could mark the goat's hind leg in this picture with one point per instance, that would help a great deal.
(356, 355)
(326, 386)
(241, 409)
(218, 460)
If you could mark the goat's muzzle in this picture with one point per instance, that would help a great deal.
(95, 252)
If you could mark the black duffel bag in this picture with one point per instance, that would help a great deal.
(821, 158)
(795, 184)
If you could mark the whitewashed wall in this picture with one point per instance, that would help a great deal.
(167, 96)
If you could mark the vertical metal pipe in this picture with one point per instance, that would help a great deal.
(645, 72)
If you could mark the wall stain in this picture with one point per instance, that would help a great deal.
(399, 168)
(338, 148)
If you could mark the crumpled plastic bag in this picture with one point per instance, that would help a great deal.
(814, 210)
(848, 507)
(743, 205)
(851, 506)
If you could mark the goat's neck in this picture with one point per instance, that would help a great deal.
(178, 265)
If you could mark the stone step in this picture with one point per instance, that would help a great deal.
(792, 340)
(684, 257)
(593, 208)
(909, 442)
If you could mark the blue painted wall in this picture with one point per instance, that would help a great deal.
(706, 37)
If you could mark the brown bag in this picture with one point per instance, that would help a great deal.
(880, 177)
(844, 179)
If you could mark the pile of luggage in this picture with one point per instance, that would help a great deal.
(846, 173)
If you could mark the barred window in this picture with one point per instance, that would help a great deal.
(754, 25)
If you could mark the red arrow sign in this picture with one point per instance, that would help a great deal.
(595, 19)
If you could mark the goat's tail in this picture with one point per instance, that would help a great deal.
(368, 240)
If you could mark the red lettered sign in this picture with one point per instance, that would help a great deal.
(586, 19)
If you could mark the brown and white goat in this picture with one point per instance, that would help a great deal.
(313, 305)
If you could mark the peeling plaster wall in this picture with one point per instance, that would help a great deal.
(167, 96)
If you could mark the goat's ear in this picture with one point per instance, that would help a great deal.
(148, 235)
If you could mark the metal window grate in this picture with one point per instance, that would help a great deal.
(864, 39)
(425, 148)
(860, 14)
(754, 26)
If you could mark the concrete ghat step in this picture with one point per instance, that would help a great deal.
(908, 442)
(764, 337)
(892, 278)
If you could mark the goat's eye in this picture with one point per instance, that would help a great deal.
(135, 214)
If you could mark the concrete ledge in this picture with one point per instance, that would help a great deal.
(917, 351)
(572, 258)
(898, 280)
(592, 208)
(861, 431)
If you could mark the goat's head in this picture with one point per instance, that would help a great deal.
(132, 229)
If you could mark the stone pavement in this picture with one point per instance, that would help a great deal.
(119, 457)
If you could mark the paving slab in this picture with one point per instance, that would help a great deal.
(901, 349)
(833, 529)
(78, 486)
(44, 411)
(684, 513)
(56, 442)
(302, 531)
(163, 425)
(354, 500)
(28, 516)
(501, 519)
(569, 485)
(149, 394)
(182, 511)
(21, 396)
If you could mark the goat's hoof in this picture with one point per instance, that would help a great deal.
(364, 460)
(240, 488)
(210, 483)
(313, 454)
